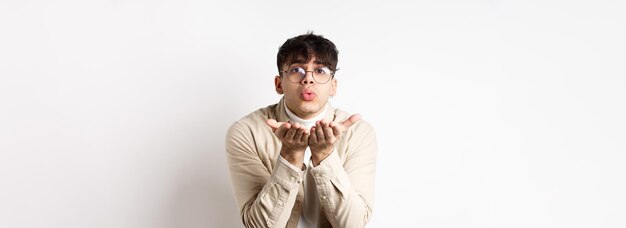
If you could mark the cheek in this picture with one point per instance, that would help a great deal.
(290, 91)
(329, 90)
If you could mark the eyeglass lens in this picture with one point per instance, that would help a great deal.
(320, 75)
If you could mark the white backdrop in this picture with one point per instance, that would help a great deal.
(489, 113)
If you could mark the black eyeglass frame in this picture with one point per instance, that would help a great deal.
(332, 74)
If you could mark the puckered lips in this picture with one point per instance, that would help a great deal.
(307, 95)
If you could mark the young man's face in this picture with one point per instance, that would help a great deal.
(307, 97)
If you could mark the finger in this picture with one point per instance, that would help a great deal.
(350, 121)
(336, 129)
(290, 133)
(273, 124)
(312, 136)
(305, 137)
(328, 131)
(301, 130)
(298, 134)
(319, 131)
(282, 130)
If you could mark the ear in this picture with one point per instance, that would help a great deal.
(333, 87)
(277, 85)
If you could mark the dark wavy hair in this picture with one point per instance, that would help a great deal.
(302, 48)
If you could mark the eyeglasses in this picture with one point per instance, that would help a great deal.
(320, 75)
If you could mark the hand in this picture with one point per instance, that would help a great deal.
(294, 139)
(324, 135)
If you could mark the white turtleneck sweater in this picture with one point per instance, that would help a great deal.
(310, 211)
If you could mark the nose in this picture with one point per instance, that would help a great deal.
(308, 78)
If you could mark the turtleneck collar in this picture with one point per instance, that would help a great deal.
(307, 123)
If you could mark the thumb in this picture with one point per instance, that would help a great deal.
(272, 123)
(350, 121)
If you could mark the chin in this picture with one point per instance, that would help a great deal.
(310, 107)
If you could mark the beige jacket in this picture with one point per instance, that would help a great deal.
(270, 192)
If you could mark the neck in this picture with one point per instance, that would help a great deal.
(307, 122)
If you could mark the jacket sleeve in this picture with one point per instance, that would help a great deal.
(346, 190)
(264, 199)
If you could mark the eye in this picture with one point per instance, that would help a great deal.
(297, 70)
(322, 70)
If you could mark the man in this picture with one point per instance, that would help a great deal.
(302, 162)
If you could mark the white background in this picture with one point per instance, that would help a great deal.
(488, 113)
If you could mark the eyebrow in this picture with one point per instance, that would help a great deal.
(322, 66)
(301, 61)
